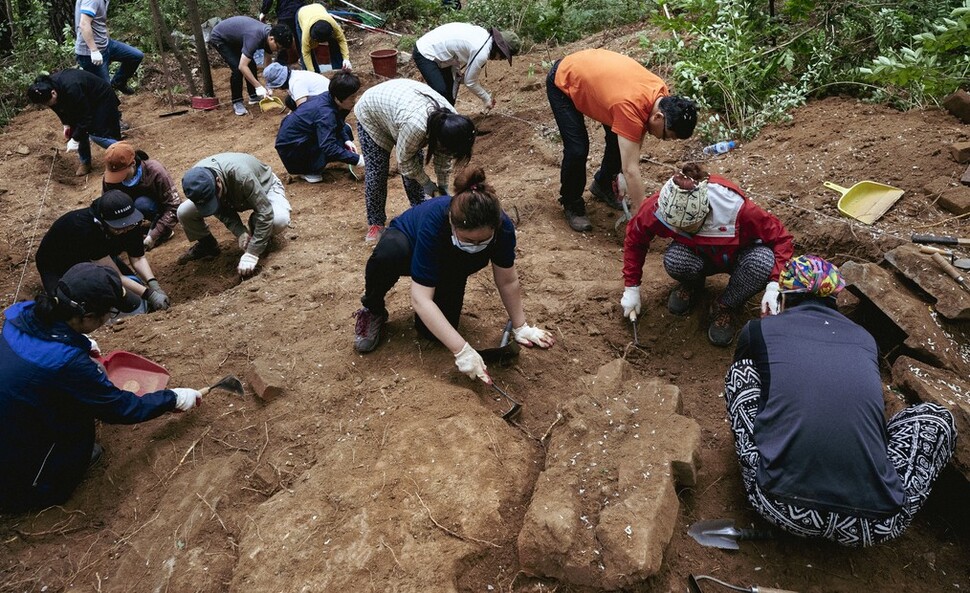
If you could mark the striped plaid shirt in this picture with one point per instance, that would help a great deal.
(395, 115)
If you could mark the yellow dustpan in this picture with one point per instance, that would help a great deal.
(271, 103)
(866, 201)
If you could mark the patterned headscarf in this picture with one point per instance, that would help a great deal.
(683, 208)
(811, 274)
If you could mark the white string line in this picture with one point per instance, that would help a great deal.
(33, 231)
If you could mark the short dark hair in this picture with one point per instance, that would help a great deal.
(680, 115)
(343, 84)
(41, 91)
(475, 204)
(450, 133)
(282, 35)
(321, 31)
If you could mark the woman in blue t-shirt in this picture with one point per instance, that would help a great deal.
(439, 244)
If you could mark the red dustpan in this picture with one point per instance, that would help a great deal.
(134, 373)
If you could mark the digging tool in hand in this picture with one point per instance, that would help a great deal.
(694, 587)
(633, 322)
(229, 383)
(507, 349)
(721, 533)
(951, 271)
(625, 217)
(516, 406)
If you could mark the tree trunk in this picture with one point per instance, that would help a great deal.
(61, 15)
(166, 37)
(205, 69)
(6, 28)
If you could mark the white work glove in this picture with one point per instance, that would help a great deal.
(93, 350)
(262, 92)
(770, 303)
(351, 146)
(360, 161)
(261, 18)
(68, 132)
(631, 302)
(470, 362)
(148, 242)
(96, 58)
(186, 399)
(72, 145)
(347, 65)
(243, 240)
(247, 264)
(530, 336)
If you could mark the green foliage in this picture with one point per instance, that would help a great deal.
(935, 65)
(556, 20)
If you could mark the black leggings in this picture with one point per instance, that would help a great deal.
(390, 260)
(231, 56)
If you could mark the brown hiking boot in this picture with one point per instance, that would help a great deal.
(578, 222)
(367, 330)
(681, 299)
(205, 247)
(82, 170)
(722, 330)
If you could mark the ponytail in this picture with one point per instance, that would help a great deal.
(475, 204)
(50, 310)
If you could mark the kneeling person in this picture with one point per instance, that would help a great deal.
(318, 134)
(299, 85)
(224, 185)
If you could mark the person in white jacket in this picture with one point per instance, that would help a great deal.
(457, 53)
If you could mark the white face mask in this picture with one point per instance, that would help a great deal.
(470, 247)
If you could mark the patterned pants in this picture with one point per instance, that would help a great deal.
(749, 274)
(375, 179)
(921, 441)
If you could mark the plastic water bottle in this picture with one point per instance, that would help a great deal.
(719, 148)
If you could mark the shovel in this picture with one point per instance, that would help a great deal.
(696, 588)
(230, 383)
(866, 201)
(507, 350)
(516, 406)
(721, 533)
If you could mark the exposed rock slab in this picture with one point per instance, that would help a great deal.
(952, 301)
(604, 509)
(930, 384)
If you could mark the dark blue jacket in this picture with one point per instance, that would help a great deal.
(820, 427)
(313, 136)
(50, 394)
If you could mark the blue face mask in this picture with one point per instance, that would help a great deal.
(134, 180)
(470, 247)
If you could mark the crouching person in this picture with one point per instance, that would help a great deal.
(51, 391)
(224, 185)
(805, 402)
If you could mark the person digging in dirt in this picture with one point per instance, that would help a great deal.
(439, 244)
(715, 229)
(457, 53)
(314, 25)
(100, 234)
(630, 102)
(299, 85)
(87, 107)
(51, 391)
(405, 116)
(95, 50)
(148, 184)
(224, 185)
(237, 39)
(318, 134)
(804, 397)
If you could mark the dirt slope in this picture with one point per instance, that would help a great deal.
(350, 479)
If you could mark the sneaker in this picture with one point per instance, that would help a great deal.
(367, 330)
(681, 299)
(310, 178)
(253, 99)
(205, 247)
(124, 89)
(607, 195)
(82, 170)
(374, 233)
(165, 236)
(123, 125)
(722, 330)
(239, 108)
(96, 452)
(577, 222)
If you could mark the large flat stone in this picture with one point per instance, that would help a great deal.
(952, 301)
(925, 338)
(958, 103)
(930, 384)
(604, 509)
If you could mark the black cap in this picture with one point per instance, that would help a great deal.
(92, 288)
(199, 185)
(116, 209)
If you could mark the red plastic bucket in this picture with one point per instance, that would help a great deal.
(385, 62)
(205, 103)
(322, 53)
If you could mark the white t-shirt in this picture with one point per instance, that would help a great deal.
(304, 83)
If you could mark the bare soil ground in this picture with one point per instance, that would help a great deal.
(350, 477)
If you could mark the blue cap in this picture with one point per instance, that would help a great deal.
(199, 185)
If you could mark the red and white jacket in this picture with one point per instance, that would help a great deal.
(734, 222)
